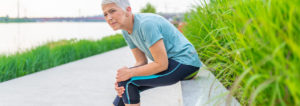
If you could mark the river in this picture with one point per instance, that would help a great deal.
(22, 36)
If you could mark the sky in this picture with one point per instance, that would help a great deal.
(74, 8)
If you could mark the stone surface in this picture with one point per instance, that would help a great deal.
(205, 90)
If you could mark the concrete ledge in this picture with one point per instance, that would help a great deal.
(205, 90)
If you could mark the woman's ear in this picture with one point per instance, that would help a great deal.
(128, 11)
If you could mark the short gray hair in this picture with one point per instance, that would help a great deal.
(121, 3)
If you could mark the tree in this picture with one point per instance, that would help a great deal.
(148, 9)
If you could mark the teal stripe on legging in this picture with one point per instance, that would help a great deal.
(146, 77)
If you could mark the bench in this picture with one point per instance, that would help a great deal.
(205, 90)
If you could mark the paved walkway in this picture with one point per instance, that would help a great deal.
(87, 82)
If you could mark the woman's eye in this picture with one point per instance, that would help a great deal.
(111, 11)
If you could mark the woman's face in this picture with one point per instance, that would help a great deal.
(114, 15)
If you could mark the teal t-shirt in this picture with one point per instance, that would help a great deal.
(149, 28)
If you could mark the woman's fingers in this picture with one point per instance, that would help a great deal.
(120, 90)
(116, 86)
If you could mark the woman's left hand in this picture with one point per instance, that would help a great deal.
(123, 74)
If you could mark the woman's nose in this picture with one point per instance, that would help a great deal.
(109, 17)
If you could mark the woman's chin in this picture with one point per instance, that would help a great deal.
(115, 28)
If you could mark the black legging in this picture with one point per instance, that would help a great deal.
(175, 72)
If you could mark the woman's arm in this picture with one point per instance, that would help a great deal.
(139, 56)
(159, 64)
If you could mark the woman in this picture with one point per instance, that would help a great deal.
(174, 57)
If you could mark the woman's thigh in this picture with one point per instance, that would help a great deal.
(175, 72)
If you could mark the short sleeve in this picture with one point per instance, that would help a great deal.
(151, 33)
(128, 41)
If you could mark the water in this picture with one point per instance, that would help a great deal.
(22, 36)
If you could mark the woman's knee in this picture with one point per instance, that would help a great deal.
(123, 83)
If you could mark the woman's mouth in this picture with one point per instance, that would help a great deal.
(113, 23)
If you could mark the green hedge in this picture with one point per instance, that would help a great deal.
(54, 54)
(252, 46)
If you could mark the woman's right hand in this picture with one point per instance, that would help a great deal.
(120, 90)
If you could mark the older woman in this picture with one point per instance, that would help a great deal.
(174, 57)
